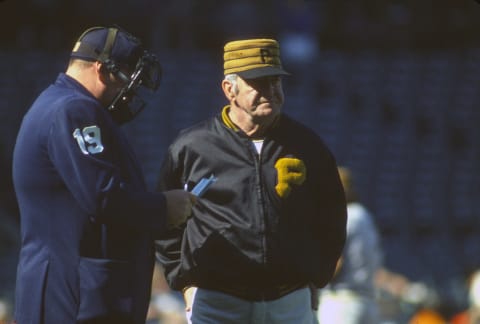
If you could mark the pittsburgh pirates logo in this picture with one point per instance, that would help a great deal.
(290, 171)
(265, 53)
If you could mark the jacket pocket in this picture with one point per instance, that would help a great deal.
(105, 289)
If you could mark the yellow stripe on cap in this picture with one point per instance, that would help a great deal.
(244, 55)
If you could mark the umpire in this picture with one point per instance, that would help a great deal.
(87, 222)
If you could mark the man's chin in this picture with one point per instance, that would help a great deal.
(266, 115)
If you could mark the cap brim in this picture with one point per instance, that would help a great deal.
(262, 72)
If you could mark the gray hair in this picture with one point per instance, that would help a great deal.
(232, 78)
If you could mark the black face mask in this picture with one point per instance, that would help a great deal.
(128, 103)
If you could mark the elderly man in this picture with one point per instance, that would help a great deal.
(273, 220)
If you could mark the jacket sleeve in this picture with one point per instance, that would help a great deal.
(168, 248)
(87, 154)
(333, 226)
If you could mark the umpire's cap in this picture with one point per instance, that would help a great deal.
(108, 44)
(253, 58)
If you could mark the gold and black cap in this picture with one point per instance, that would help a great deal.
(253, 58)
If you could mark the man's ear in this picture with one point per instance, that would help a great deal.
(228, 90)
(101, 71)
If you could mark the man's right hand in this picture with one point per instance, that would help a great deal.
(188, 294)
(179, 207)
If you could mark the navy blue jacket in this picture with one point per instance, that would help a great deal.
(87, 222)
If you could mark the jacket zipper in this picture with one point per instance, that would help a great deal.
(258, 171)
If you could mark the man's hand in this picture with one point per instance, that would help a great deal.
(188, 294)
(179, 207)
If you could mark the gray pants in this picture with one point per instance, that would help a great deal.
(213, 307)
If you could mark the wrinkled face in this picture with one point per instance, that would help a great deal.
(261, 97)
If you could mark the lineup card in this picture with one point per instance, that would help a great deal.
(203, 185)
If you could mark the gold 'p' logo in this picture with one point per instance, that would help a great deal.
(290, 171)
(264, 53)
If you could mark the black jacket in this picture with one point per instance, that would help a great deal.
(243, 235)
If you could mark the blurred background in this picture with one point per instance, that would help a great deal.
(391, 85)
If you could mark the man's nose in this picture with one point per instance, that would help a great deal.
(268, 87)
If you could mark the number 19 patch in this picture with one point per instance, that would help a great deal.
(89, 139)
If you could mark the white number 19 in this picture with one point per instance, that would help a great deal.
(89, 139)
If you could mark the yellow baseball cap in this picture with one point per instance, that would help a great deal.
(253, 58)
